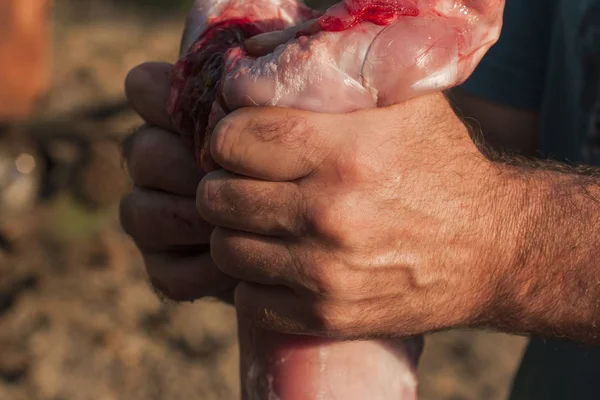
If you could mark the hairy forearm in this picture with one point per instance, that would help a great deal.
(552, 287)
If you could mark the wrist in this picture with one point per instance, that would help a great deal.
(548, 227)
(515, 204)
(489, 227)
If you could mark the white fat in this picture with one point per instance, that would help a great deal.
(323, 356)
(272, 394)
(253, 374)
(216, 5)
(291, 78)
(445, 7)
(283, 14)
(440, 79)
(284, 358)
(453, 8)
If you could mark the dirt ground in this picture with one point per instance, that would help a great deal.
(77, 318)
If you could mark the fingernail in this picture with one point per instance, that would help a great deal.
(148, 76)
(137, 79)
(127, 144)
(157, 72)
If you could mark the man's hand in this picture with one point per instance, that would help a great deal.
(160, 213)
(376, 223)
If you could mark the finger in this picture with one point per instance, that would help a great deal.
(148, 88)
(266, 43)
(159, 221)
(236, 202)
(256, 259)
(274, 144)
(157, 159)
(279, 309)
(187, 277)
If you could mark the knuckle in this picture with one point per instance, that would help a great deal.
(355, 166)
(156, 221)
(125, 211)
(128, 143)
(223, 250)
(244, 198)
(236, 197)
(333, 319)
(214, 197)
(144, 147)
(331, 219)
(323, 279)
(206, 197)
(328, 284)
(290, 131)
(139, 217)
(331, 281)
(132, 215)
(182, 279)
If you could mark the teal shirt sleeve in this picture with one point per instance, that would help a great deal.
(513, 72)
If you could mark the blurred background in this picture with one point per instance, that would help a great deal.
(78, 320)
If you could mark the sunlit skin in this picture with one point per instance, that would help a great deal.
(386, 222)
(359, 55)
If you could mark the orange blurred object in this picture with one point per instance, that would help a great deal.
(25, 41)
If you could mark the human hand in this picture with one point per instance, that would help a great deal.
(160, 212)
(375, 223)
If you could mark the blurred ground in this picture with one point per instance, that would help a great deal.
(77, 318)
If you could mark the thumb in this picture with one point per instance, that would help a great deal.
(276, 144)
(265, 43)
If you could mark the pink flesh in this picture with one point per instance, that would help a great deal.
(344, 16)
(368, 53)
(276, 366)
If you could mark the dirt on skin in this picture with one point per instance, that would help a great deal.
(78, 319)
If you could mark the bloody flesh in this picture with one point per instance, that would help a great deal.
(356, 12)
(197, 76)
(367, 53)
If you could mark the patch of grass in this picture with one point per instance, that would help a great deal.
(70, 220)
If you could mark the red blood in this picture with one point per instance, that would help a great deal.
(380, 12)
(195, 100)
(196, 78)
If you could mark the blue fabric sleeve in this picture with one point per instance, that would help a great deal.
(514, 70)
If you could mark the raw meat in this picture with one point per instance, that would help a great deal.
(359, 54)
(214, 27)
